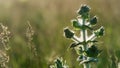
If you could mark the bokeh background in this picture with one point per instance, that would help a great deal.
(48, 18)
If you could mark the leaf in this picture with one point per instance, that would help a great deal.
(76, 44)
(73, 45)
(76, 24)
(94, 41)
(88, 27)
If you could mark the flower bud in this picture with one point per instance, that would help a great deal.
(93, 51)
(68, 33)
(84, 9)
(93, 21)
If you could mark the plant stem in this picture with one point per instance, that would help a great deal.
(86, 65)
(84, 35)
(84, 31)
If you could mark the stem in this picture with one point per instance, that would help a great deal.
(84, 35)
(86, 65)
(76, 39)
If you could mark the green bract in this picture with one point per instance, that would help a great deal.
(75, 24)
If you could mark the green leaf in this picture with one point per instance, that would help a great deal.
(94, 41)
(76, 44)
(73, 45)
(85, 26)
(75, 24)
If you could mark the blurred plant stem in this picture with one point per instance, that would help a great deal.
(85, 65)
(29, 35)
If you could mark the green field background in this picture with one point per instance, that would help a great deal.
(48, 18)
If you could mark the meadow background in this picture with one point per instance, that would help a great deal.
(48, 18)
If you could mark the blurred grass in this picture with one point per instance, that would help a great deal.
(48, 18)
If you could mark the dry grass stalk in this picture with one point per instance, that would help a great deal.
(29, 34)
(4, 46)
